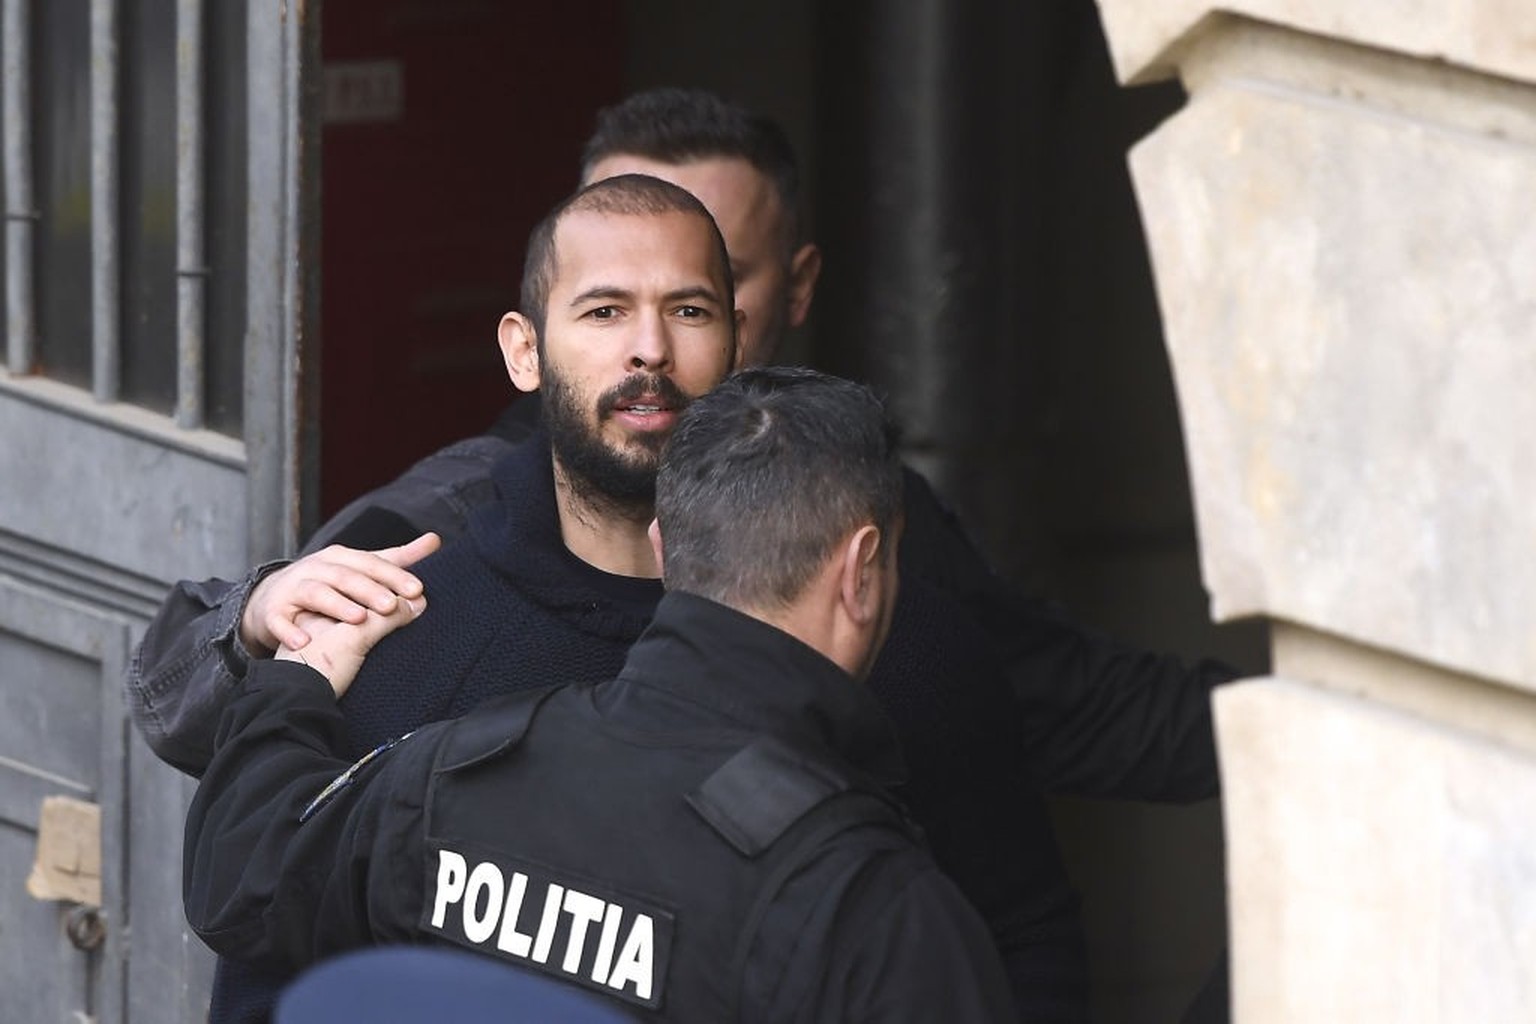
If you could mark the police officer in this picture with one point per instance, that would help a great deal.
(706, 837)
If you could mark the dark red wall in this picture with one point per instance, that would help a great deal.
(425, 213)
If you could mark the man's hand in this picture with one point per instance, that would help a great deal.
(336, 649)
(336, 584)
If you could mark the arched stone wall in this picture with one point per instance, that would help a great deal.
(1341, 227)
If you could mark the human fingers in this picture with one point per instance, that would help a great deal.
(285, 633)
(409, 554)
(317, 586)
(337, 582)
(362, 578)
(347, 638)
(337, 649)
(373, 578)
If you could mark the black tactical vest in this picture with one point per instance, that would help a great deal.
(639, 870)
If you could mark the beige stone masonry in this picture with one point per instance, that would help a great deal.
(1342, 222)
(1381, 868)
(1474, 706)
(1347, 293)
(1147, 40)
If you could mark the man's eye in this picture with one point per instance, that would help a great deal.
(692, 312)
(603, 313)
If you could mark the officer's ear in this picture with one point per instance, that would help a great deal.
(860, 576)
(654, 532)
(519, 343)
(804, 270)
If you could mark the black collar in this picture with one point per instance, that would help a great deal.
(757, 675)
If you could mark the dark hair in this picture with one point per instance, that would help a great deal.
(624, 195)
(674, 126)
(764, 475)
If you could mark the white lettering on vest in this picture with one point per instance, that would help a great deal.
(510, 939)
(637, 959)
(487, 877)
(490, 902)
(607, 943)
(546, 936)
(584, 910)
(451, 874)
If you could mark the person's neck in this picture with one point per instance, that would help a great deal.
(606, 533)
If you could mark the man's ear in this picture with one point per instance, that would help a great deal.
(519, 350)
(654, 533)
(858, 575)
(804, 270)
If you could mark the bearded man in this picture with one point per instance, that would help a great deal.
(628, 313)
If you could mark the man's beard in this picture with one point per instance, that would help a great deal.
(601, 476)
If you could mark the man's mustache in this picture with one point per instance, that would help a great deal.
(642, 385)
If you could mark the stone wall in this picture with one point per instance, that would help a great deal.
(1342, 223)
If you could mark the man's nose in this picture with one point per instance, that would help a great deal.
(651, 343)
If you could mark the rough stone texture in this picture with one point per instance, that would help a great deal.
(1347, 298)
(1497, 36)
(1342, 231)
(1381, 868)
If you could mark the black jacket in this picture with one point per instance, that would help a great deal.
(996, 702)
(706, 834)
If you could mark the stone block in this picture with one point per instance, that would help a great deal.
(1380, 867)
(1495, 36)
(1349, 306)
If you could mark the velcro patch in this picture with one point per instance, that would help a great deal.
(761, 791)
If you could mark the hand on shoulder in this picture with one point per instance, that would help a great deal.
(336, 649)
(334, 584)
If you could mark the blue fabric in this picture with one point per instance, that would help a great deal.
(420, 985)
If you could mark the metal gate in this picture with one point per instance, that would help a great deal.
(158, 191)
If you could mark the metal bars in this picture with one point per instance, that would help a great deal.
(20, 206)
(21, 214)
(106, 346)
(191, 261)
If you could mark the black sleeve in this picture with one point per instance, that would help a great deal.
(259, 884)
(923, 955)
(877, 939)
(1103, 718)
(1097, 717)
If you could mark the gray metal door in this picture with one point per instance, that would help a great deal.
(158, 170)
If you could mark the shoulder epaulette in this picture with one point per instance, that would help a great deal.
(492, 729)
(763, 789)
